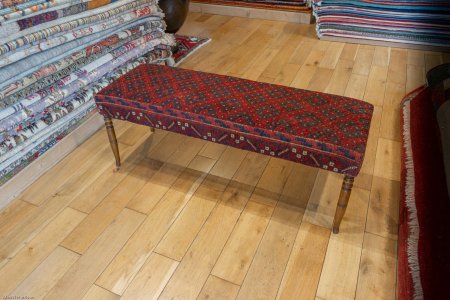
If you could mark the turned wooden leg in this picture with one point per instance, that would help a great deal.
(113, 140)
(343, 201)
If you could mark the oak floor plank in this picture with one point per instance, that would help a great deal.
(309, 68)
(151, 279)
(218, 289)
(82, 275)
(276, 66)
(376, 85)
(275, 175)
(377, 271)
(381, 56)
(96, 293)
(387, 164)
(415, 77)
(47, 274)
(196, 265)
(397, 66)
(73, 165)
(181, 151)
(202, 164)
(323, 199)
(339, 275)
(62, 197)
(390, 124)
(243, 56)
(269, 263)
(26, 260)
(228, 163)
(416, 58)
(304, 267)
(212, 150)
(302, 51)
(118, 275)
(331, 56)
(286, 74)
(394, 95)
(13, 214)
(383, 213)
(261, 62)
(320, 80)
(356, 86)
(349, 52)
(87, 200)
(81, 238)
(251, 168)
(235, 259)
(179, 237)
(340, 78)
(194, 269)
(363, 61)
(299, 185)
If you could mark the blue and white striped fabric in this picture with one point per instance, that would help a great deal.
(420, 22)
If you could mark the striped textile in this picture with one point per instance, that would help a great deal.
(65, 51)
(424, 22)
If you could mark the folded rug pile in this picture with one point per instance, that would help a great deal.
(285, 5)
(54, 55)
(420, 22)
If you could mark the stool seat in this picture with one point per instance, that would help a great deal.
(316, 129)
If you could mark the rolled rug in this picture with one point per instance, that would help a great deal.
(50, 73)
(43, 31)
(52, 42)
(19, 151)
(39, 101)
(25, 66)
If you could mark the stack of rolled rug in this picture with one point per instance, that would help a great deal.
(55, 54)
(405, 22)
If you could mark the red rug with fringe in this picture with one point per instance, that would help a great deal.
(424, 233)
(186, 45)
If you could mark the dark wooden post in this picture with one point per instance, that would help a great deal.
(346, 190)
(113, 140)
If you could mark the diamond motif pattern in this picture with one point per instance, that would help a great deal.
(288, 122)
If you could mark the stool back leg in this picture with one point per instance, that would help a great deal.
(113, 140)
(344, 196)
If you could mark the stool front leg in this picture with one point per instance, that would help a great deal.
(344, 196)
(113, 140)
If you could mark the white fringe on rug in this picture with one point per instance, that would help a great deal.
(413, 221)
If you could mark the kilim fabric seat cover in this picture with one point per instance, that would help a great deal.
(316, 129)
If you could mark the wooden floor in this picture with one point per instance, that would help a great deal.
(186, 219)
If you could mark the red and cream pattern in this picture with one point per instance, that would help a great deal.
(316, 129)
(424, 227)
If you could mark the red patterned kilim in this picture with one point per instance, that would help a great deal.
(312, 128)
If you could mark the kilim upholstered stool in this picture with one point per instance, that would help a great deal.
(316, 129)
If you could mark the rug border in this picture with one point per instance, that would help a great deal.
(412, 240)
(194, 49)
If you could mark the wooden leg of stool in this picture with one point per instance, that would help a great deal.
(113, 140)
(343, 201)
